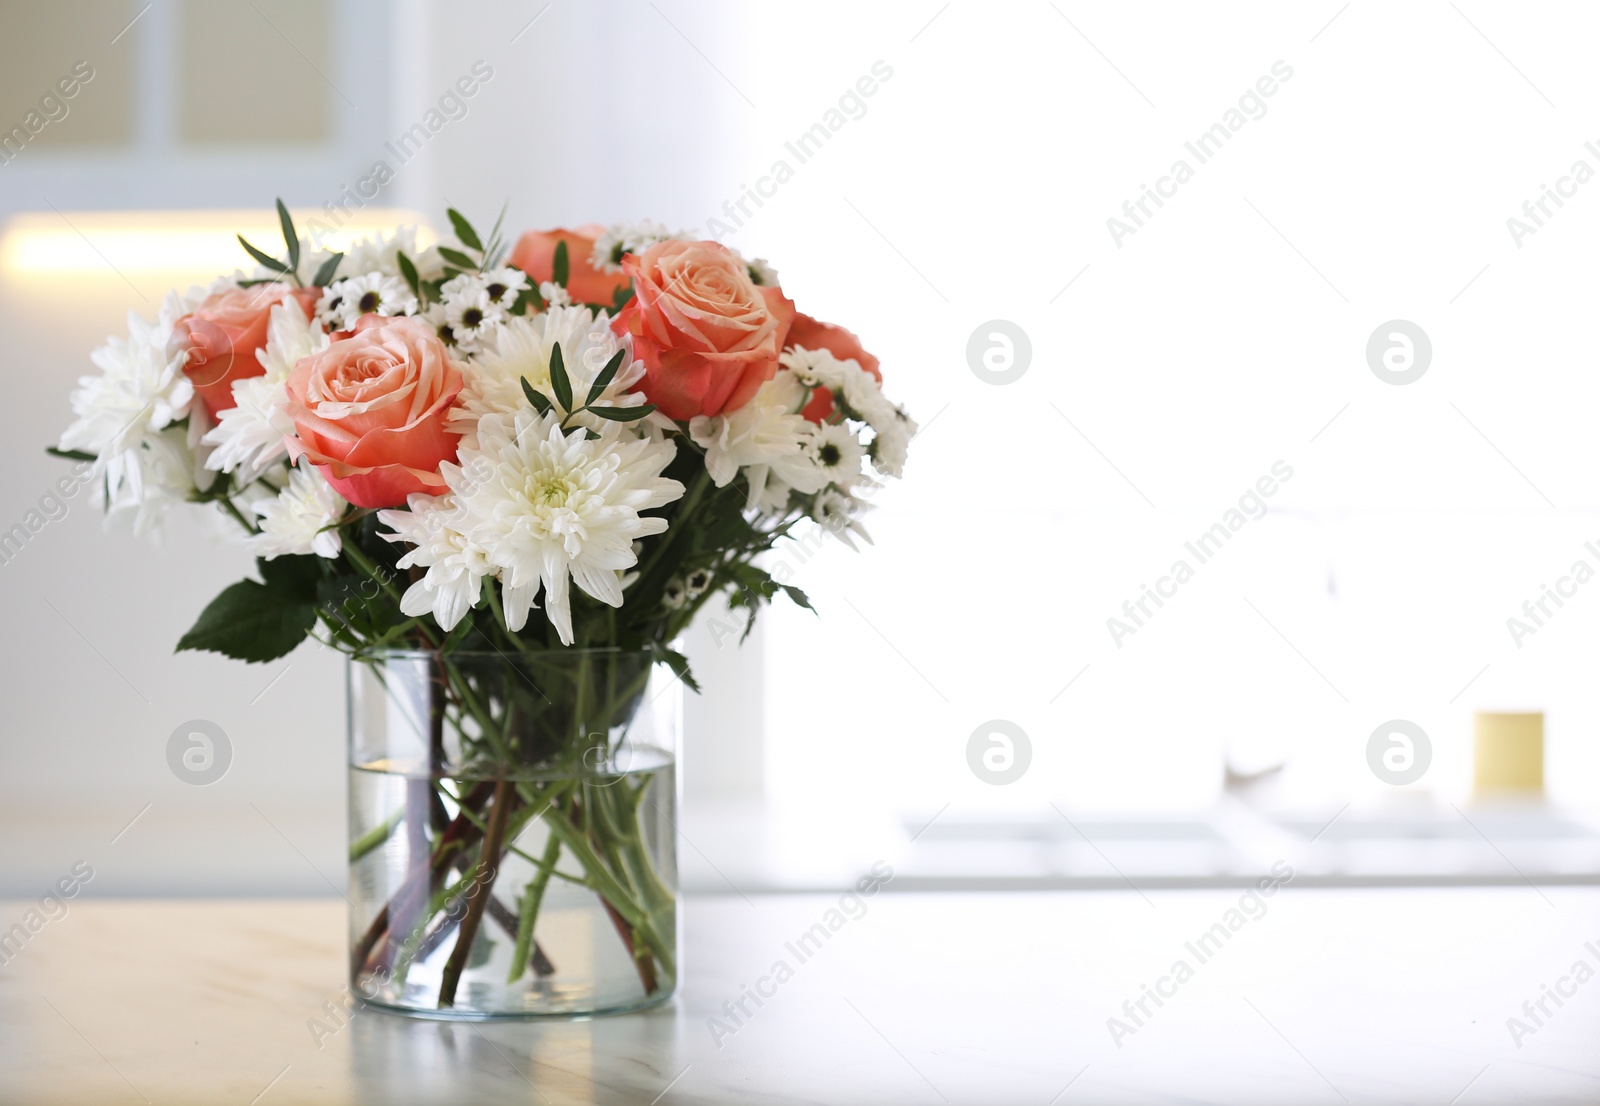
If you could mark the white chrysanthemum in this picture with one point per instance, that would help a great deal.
(557, 509)
(251, 436)
(836, 453)
(136, 487)
(554, 295)
(625, 238)
(766, 438)
(375, 293)
(522, 351)
(379, 254)
(773, 498)
(456, 567)
(301, 519)
(140, 390)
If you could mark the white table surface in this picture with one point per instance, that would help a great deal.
(1352, 995)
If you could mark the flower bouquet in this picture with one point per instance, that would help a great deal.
(423, 446)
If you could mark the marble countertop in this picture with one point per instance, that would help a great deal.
(1328, 996)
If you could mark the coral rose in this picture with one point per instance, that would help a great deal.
(224, 334)
(708, 336)
(535, 254)
(808, 333)
(370, 411)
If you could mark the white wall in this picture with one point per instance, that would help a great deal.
(1225, 334)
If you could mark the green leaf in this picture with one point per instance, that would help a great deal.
(607, 375)
(558, 269)
(70, 454)
(591, 434)
(458, 259)
(260, 622)
(540, 402)
(464, 231)
(270, 262)
(325, 271)
(295, 576)
(620, 298)
(624, 414)
(409, 271)
(798, 597)
(290, 238)
(677, 662)
(492, 252)
(558, 378)
(260, 280)
(526, 298)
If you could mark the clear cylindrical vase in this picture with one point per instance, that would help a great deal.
(512, 832)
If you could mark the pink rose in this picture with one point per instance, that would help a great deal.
(224, 333)
(370, 411)
(708, 336)
(808, 333)
(535, 254)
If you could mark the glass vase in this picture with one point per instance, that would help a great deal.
(512, 832)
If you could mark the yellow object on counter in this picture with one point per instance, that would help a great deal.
(1507, 751)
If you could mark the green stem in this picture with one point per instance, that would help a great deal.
(531, 898)
(233, 509)
(375, 836)
(610, 888)
(478, 897)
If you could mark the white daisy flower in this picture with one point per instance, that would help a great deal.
(835, 451)
(762, 273)
(301, 519)
(504, 285)
(766, 438)
(345, 301)
(674, 595)
(891, 442)
(435, 316)
(863, 396)
(626, 238)
(252, 435)
(554, 295)
(815, 368)
(836, 512)
(468, 311)
(456, 567)
(560, 509)
(696, 583)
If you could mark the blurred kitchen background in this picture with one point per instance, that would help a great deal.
(1169, 373)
